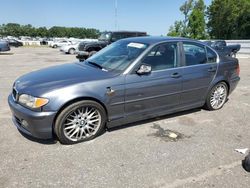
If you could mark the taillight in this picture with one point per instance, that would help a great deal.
(238, 70)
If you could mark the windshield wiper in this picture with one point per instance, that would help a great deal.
(95, 64)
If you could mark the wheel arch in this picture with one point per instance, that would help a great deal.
(77, 100)
(225, 81)
(216, 82)
(71, 48)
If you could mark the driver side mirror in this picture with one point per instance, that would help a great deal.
(144, 69)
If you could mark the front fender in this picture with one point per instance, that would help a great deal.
(58, 98)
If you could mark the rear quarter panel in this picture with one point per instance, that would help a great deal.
(227, 72)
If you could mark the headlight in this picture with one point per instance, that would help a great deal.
(32, 102)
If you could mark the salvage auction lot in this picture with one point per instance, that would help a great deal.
(130, 156)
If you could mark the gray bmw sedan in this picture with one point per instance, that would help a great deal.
(130, 80)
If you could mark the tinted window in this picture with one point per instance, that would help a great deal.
(105, 36)
(211, 56)
(162, 57)
(127, 35)
(221, 43)
(194, 54)
(117, 36)
(141, 34)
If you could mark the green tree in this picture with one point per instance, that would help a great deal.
(229, 19)
(42, 32)
(186, 9)
(196, 21)
(193, 24)
(176, 30)
(14, 29)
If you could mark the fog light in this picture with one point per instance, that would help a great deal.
(24, 123)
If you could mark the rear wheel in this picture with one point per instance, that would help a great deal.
(217, 96)
(72, 51)
(80, 121)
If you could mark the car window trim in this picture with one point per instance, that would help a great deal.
(200, 45)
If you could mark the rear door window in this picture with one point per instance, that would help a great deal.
(211, 56)
(194, 54)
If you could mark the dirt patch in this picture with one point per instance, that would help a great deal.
(167, 135)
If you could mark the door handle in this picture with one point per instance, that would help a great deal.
(176, 75)
(212, 69)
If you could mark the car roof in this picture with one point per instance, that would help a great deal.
(154, 40)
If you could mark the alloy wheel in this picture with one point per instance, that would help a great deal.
(82, 123)
(218, 96)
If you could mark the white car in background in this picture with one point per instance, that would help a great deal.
(59, 43)
(70, 48)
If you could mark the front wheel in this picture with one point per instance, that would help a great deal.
(217, 96)
(80, 121)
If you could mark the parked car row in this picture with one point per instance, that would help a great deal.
(87, 49)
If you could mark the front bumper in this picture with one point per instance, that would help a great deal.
(38, 124)
(82, 55)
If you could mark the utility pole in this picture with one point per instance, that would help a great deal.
(116, 6)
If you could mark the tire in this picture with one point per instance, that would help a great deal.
(54, 46)
(72, 51)
(92, 53)
(73, 125)
(82, 60)
(246, 163)
(218, 93)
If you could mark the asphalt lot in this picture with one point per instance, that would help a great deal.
(131, 156)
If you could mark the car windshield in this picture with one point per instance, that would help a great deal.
(117, 56)
(105, 36)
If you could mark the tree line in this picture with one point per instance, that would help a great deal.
(16, 30)
(223, 19)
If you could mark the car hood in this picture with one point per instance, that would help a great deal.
(46, 80)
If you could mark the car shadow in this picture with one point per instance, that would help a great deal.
(40, 141)
(150, 120)
(169, 116)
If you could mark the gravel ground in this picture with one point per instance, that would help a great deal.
(130, 156)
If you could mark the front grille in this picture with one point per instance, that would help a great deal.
(14, 94)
